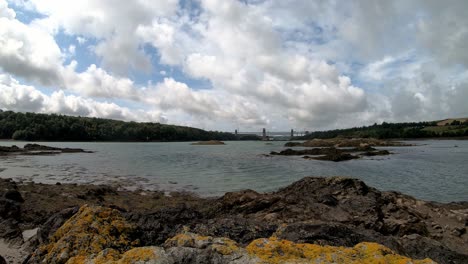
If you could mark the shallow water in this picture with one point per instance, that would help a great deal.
(434, 170)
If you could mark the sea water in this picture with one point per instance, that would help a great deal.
(434, 170)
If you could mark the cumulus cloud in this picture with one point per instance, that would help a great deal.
(29, 52)
(5, 11)
(19, 97)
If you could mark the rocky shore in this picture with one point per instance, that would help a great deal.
(324, 220)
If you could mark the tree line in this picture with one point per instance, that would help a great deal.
(53, 127)
(395, 130)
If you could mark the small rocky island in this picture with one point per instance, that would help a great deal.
(326, 220)
(338, 149)
(36, 149)
(209, 143)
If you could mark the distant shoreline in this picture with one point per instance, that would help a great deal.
(155, 141)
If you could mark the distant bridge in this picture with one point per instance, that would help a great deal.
(273, 135)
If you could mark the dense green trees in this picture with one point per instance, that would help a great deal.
(31, 126)
(396, 130)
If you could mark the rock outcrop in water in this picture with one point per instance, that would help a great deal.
(36, 149)
(209, 143)
(339, 149)
(312, 218)
(332, 153)
(346, 142)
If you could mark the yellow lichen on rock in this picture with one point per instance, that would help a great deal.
(87, 233)
(139, 254)
(97, 235)
(223, 246)
(275, 251)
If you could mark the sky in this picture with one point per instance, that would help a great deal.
(231, 64)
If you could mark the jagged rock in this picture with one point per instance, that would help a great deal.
(54, 223)
(155, 227)
(237, 228)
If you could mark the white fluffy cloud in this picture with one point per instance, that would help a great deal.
(279, 64)
(19, 97)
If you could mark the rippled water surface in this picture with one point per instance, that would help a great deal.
(434, 170)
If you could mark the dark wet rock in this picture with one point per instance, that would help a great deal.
(417, 246)
(209, 143)
(336, 157)
(333, 234)
(2, 260)
(292, 144)
(9, 229)
(314, 151)
(13, 148)
(36, 149)
(377, 153)
(332, 153)
(14, 195)
(153, 228)
(236, 228)
(346, 142)
(364, 147)
(10, 209)
(53, 223)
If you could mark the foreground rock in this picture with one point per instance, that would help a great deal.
(338, 217)
(209, 143)
(36, 149)
(101, 235)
